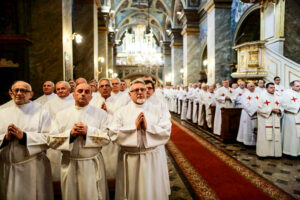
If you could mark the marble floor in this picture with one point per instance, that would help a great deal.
(283, 172)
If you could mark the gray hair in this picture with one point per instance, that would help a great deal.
(52, 84)
(136, 81)
(64, 82)
(105, 79)
(116, 79)
(27, 85)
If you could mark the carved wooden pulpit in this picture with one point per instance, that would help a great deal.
(230, 124)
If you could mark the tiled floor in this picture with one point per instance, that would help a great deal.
(283, 172)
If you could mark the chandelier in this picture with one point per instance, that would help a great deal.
(139, 48)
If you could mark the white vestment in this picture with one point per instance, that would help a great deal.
(201, 100)
(248, 119)
(141, 174)
(184, 107)
(45, 98)
(290, 102)
(190, 96)
(279, 89)
(110, 152)
(7, 104)
(82, 167)
(54, 106)
(25, 171)
(260, 90)
(238, 95)
(268, 132)
(210, 99)
(220, 95)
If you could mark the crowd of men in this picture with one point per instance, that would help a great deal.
(269, 119)
(81, 134)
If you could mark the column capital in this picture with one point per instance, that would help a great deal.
(111, 38)
(176, 37)
(190, 18)
(166, 47)
(210, 5)
(103, 18)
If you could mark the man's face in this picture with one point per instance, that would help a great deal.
(104, 89)
(20, 93)
(225, 84)
(260, 83)
(138, 93)
(62, 90)
(123, 86)
(48, 88)
(277, 81)
(80, 81)
(72, 85)
(211, 88)
(115, 86)
(93, 86)
(82, 95)
(251, 87)
(271, 89)
(150, 90)
(242, 85)
(296, 86)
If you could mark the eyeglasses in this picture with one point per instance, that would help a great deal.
(22, 91)
(138, 89)
(101, 86)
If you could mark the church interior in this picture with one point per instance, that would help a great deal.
(176, 42)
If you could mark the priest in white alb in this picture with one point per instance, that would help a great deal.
(209, 103)
(290, 102)
(140, 128)
(248, 121)
(224, 99)
(79, 133)
(48, 90)
(24, 168)
(62, 101)
(269, 112)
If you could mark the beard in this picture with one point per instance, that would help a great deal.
(141, 101)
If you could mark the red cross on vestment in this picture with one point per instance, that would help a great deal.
(223, 95)
(256, 97)
(240, 94)
(249, 98)
(294, 99)
(267, 102)
(230, 91)
(277, 103)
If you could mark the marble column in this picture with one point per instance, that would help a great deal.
(103, 19)
(50, 55)
(110, 50)
(176, 56)
(115, 53)
(85, 53)
(167, 61)
(191, 46)
(219, 41)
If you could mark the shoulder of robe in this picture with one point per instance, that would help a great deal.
(97, 111)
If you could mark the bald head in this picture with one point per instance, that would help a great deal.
(82, 94)
(48, 87)
(251, 87)
(21, 92)
(80, 80)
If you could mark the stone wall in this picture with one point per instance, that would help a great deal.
(292, 30)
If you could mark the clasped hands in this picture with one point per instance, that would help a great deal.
(79, 129)
(141, 122)
(13, 130)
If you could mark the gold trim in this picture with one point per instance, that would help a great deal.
(197, 182)
(190, 31)
(176, 44)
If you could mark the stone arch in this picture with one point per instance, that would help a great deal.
(251, 12)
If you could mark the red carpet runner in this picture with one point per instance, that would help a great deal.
(214, 174)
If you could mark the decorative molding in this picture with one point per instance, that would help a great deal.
(191, 31)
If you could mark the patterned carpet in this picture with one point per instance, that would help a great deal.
(203, 190)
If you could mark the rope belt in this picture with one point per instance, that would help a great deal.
(132, 151)
(24, 161)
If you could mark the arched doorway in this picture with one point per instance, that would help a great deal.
(203, 65)
(248, 27)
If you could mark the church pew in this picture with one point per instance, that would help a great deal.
(197, 111)
(230, 124)
(205, 127)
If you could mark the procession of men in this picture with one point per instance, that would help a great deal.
(83, 134)
(270, 113)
